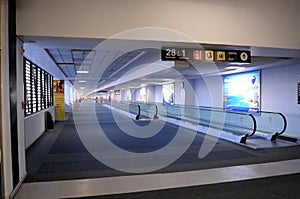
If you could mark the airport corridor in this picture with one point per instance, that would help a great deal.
(60, 154)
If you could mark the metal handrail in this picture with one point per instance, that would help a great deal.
(254, 128)
(138, 114)
(218, 108)
(254, 125)
(152, 104)
(284, 120)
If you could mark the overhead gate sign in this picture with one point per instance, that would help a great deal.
(207, 55)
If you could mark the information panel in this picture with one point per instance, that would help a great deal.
(299, 93)
(201, 55)
(37, 88)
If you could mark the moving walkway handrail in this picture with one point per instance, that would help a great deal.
(254, 125)
(258, 118)
(285, 123)
(253, 129)
(254, 115)
(143, 108)
(228, 123)
(279, 132)
(283, 119)
(127, 107)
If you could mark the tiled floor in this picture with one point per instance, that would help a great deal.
(127, 184)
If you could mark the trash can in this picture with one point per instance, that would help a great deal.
(48, 121)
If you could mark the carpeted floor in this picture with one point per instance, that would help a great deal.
(60, 155)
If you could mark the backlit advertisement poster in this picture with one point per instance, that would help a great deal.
(242, 92)
(168, 94)
(143, 95)
(59, 99)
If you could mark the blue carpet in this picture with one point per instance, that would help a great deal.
(69, 156)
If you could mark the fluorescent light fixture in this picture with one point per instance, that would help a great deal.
(234, 67)
(83, 72)
(81, 81)
(101, 82)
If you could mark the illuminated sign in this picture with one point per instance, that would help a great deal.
(209, 55)
(242, 92)
(168, 94)
(200, 55)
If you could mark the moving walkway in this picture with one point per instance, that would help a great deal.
(230, 125)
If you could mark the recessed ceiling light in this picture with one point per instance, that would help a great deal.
(83, 72)
(234, 67)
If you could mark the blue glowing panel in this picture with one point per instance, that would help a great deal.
(242, 92)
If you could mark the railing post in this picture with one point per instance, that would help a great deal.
(156, 112)
(139, 113)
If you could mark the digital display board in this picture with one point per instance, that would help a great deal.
(207, 55)
(242, 92)
(38, 87)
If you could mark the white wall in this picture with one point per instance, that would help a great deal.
(32, 134)
(209, 91)
(178, 93)
(37, 121)
(135, 94)
(123, 95)
(151, 93)
(279, 94)
(158, 94)
(129, 94)
(189, 91)
(69, 96)
(271, 23)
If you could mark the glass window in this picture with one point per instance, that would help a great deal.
(38, 88)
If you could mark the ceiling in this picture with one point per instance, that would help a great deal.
(95, 64)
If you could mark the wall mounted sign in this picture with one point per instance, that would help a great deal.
(200, 55)
(242, 92)
(299, 93)
(38, 88)
(59, 99)
(168, 94)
